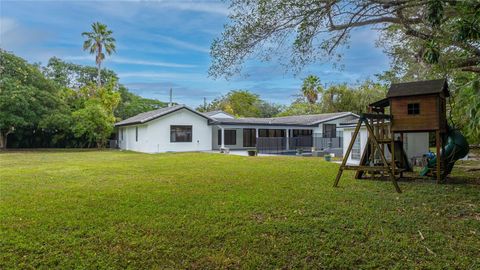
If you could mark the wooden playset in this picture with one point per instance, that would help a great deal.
(413, 107)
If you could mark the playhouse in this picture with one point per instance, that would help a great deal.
(413, 107)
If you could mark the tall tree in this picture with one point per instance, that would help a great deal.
(94, 121)
(303, 31)
(75, 76)
(97, 40)
(241, 103)
(311, 88)
(26, 96)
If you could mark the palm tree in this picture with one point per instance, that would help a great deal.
(311, 88)
(100, 38)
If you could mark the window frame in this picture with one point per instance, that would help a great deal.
(189, 138)
(413, 108)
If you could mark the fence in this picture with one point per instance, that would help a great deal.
(327, 143)
(273, 145)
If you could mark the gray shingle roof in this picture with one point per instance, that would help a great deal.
(148, 116)
(418, 88)
(296, 120)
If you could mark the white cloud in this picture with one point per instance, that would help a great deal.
(182, 44)
(164, 75)
(13, 35)
(198, 6)
(121, 60)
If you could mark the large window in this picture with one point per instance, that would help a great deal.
(413, 108)
(329, 130)
(230, 137)
(180, 133)
(356, 147)
(249, 137)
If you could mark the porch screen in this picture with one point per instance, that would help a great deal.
(329, 130)
(180, 133)
(230, 137)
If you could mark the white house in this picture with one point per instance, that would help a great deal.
(176, 128)
(180, 128)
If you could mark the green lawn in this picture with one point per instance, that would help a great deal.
(103, 209)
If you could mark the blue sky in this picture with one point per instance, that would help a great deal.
(165, 44)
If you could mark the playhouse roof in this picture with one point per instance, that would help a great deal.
(418, 88)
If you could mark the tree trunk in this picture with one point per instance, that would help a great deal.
(3, 140)
(99, 82)
(99, 62)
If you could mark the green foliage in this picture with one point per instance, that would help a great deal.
(119, 210)
(301, 107)
(132, 104)
(311, 88)
(95, 120)
(340, 98)
(466, 107)
(242, 103)
(75, 76)
(26, 96)
(58, 106)
(300, 32)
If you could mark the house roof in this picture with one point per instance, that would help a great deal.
(151, 115)
(418, 88)
(212, 113)
(296, 120)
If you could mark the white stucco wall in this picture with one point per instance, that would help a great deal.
(154, 136)
(415, 144)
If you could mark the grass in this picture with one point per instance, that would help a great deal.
(103, 209)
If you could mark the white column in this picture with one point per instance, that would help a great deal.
(222, 137)
(287, 137)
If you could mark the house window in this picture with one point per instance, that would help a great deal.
(180, 133)
(413, 108)
(356, 147)
(302, 132)
(329, 130)
(230, 137)
(136, 134)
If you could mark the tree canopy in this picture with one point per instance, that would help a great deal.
(59, 106)
(445, 33)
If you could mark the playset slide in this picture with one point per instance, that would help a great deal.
(455, 149)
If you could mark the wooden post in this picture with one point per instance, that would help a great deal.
(437, 144)
(393, 152)
(384, 160)
(350, 146)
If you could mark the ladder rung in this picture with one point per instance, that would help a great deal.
(384, 141)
